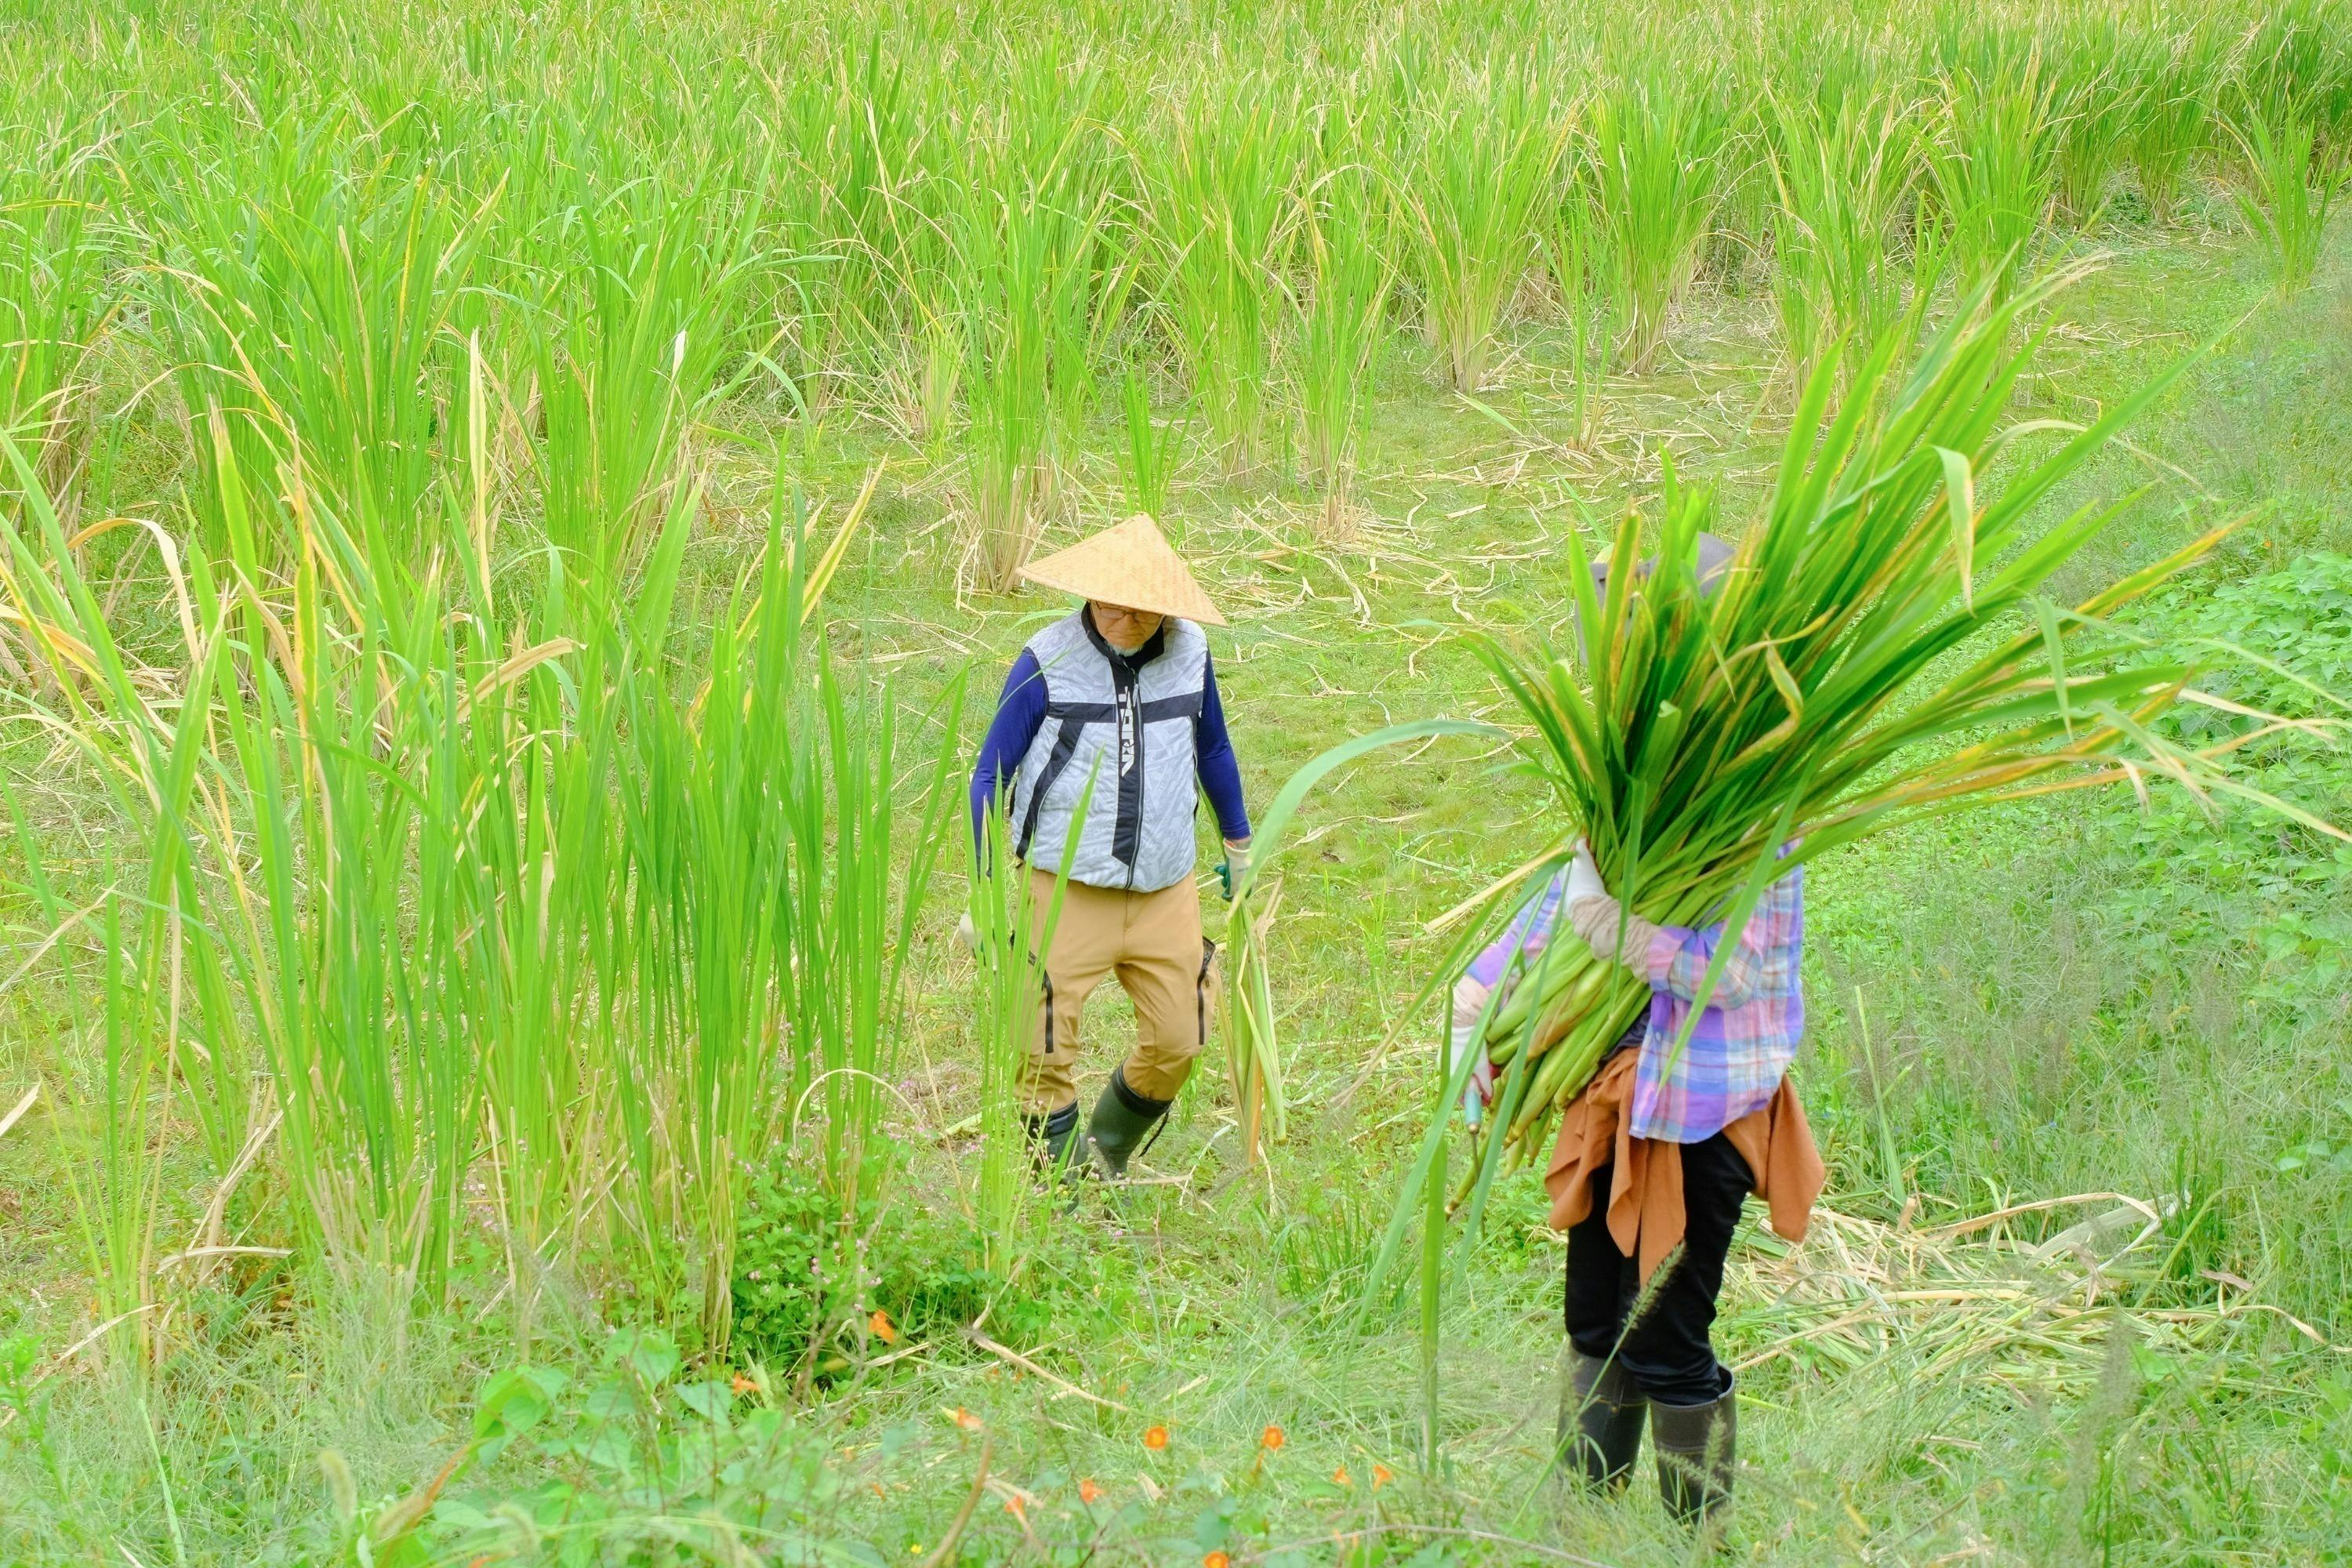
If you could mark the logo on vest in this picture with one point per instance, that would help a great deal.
(1127, 731)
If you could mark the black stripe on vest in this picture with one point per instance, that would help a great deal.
(1159, 710)
(1127, 832)
(1057, 761)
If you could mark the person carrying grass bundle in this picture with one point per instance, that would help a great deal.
(1115, 709)
(1655, 1158)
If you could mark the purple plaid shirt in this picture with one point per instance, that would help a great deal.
(1530, 928)
(1743, 1042)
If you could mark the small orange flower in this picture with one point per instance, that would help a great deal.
(1381, 1475)
(1216, 1559)
(1343, 1477)
(965, 1419)
(1270, 1439)
(1014, 1506)
(884, 1328)
(1087, 1491)
(1155, 1438)
(740, 1383)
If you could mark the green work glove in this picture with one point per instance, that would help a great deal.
(1234, 867)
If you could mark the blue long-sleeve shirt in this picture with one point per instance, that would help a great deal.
(1021, 713)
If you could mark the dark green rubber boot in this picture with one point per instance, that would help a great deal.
(1122, 1120)
(1601, 1413)
(1697, 1453)
(1052, 1138)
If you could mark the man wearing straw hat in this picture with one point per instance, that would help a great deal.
(1119, 694)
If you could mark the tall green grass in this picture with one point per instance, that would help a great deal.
(319, 273)
(495, 906)
(1040, 291)
(958, 227)
(1153, 446)
(2097, 105)
(1222, 198)
(1477, 172)
(2291, 180)
(1843, 174)
(1344, 324)
(1992, 170)
(514, 889)
(1659, 135)
(54, 296)
(2177, 78)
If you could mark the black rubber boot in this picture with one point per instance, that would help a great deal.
(1698, 1447)
(1600, 1417)
(1122, 1122)
(1051, 1138)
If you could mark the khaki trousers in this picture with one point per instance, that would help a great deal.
(1152, 941)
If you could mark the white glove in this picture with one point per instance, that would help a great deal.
(966, 934)
(1584, 878)
(1469, 1006)
(1613, 932)
(1233, 869)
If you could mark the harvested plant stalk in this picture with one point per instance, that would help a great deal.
(1880, 649)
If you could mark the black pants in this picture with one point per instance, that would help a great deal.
(1666, 1347)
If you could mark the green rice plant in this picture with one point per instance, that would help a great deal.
(312, 281)
(1038, 293)
(1343, 327)
(1150, 452)
(501, 911)
(1222, 201)
(113, 1155)
(2294, 63)
(1992, 171)
(1659, 136)
(150, 1059)
(867, 831)
(629, 343)
(2291, 182)
(1018, 285)
(870, 295)
(857, 211)
(1844, 178)
(1477, 182)
(54, 296)
(775, 858)
(1577, 252)
(2178, 76)
(1011, 987)
(2096, 107)
(1703, 745)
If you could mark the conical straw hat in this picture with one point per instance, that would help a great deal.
(1130, 565)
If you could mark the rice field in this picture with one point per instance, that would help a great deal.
(508, 525)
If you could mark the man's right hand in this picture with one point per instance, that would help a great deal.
(1234, 868)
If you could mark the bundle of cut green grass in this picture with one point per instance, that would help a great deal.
(1879, 649)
